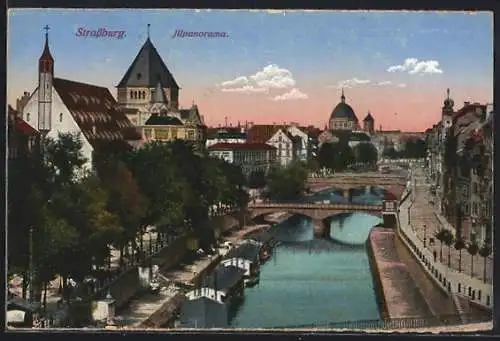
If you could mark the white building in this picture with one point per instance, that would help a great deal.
(286, 146)
(303, 146)
(250, 157)
(63, 106)
(224, 136)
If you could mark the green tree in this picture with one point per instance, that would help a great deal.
(125, 200)
(327, 156)
(390, 153)
(366, 153)
(257, 179)
(288, 183)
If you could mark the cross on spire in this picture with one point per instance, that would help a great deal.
(46, 28)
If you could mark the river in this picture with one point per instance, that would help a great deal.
(312, 281)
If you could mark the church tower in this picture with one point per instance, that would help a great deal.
(447, 112)
(369, 124)
(45, 76)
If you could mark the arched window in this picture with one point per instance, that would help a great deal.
(28, 116)
(144, 95)
(131, 94)
(60, 117)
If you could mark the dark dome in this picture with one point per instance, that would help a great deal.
(343, 110)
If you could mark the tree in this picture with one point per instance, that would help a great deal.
(326, 156)
(485, 252)
(287, 183)
(473, 248)
(257, 179)
(125, 200)
(366, 153)
(448, 241)
(390, 153)
(441, 235)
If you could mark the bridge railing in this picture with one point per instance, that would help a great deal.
(317, 206)
(397, 323)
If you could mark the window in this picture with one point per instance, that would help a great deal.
(28, 116)
(144, 95)
(191, 135)
(131, 94)
(60, 117)
(139, 75)
(174, 133)
(280, 138)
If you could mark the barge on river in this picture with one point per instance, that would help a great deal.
(245, 257)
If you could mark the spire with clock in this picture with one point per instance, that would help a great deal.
(45, 76)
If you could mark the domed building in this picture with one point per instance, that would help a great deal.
(343, 117)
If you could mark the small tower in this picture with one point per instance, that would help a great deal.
(159, 95)
(342, 97)
(447, 111)
(45, 76)
(369, 123)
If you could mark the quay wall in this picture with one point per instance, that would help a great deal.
(377, 281)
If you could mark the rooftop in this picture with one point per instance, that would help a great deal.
(241, 146)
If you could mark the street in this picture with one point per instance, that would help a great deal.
(426, 222)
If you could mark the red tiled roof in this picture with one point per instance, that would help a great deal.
(20, 125)
(261, 133)
(94, 110)
(241, 146)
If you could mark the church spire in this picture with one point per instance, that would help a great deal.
(46, 62)
(342, 98)
(149, 26)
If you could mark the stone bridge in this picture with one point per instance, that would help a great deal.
(317, 212)
(346, 182)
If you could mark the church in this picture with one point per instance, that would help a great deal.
(59, 105)
(149, 95)
(343, 124)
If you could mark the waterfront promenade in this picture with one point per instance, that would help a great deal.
(426, 222)
(144, 306)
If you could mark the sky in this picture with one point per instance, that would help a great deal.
(273, 66)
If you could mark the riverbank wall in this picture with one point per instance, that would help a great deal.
(377, 282)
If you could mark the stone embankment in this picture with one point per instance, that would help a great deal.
(397, 293)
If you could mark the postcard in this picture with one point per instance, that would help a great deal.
(250, 169)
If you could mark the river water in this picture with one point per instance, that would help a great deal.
(312, 281)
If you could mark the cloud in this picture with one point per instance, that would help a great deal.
(245, 89)
(350, 83)
(270, 77)
(383, 83)
(290, 95)
(414, 67)
(401, 85)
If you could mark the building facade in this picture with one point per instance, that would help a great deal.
(226, 136)
(251, 157)
(287, 146)
(148, 88)
(64, 106)
(460, 167)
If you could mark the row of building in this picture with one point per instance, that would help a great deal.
(460, 166)
(259, 147)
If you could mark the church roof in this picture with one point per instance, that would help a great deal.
(163, 120)
(148, 69)
(368, 117)
(261, 133)
(94, 110)
(343, 110)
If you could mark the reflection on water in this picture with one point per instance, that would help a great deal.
(312, 281)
